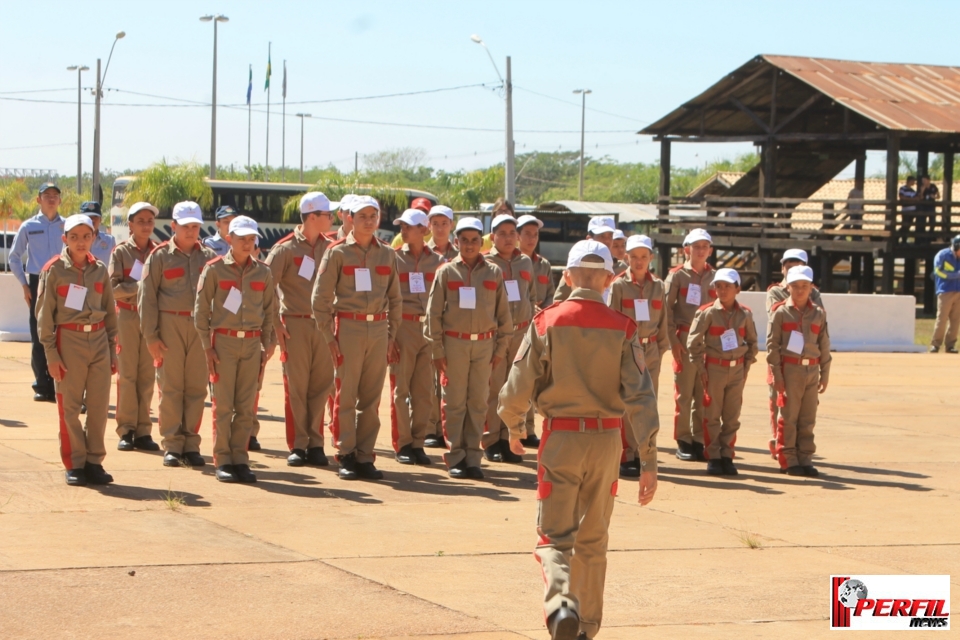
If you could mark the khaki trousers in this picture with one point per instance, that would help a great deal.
(722, 416)
(688, 393)
(948, 319)
(86, 357)
(798, 416)
(630, 440)
(234, 397)
(411, 387)
(576, 489)
(436, 422)
(466, 388)
(183, 384)
(137, 377)
(307, 382)
(359, 382)
(772, 404)
(494, 429)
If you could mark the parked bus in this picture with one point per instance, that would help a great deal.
(262, 201)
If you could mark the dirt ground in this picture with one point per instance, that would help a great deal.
(301, 554)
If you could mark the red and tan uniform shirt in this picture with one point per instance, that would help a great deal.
(169, 284)
(250, 286)
(286, 262)
(97, 304)
(335, 291)
(543, 280)
(777, 292)
(683, 302)
(811, 325)
(707, 336)
(448, 254)
(414, 289)
(519, 270)
(624, 293)
(123, 268)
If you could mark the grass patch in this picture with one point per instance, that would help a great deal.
(750, 540)
(174, 501)
(923, 331)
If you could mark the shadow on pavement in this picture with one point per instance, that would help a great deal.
(12, 423)
(145, 494)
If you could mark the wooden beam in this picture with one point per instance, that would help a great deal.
(782, 137)
(892, 186)
(947, 195)
(773, 99)
(739, 105)
(724, 95)
(796, 112)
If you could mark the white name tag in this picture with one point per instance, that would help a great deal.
(75, 297)
(728, 340)
(136, 271)
(416, 283)
(641, 309)
(513, 290)
(468, 298)
(693, 294)
(307, 267)
(234, 298)
(796, 342)
(362, 277)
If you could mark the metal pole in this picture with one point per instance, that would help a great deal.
(96, 139)
(266, 167)
(213, 110)
(301, 146)
(583, 120)
(510, 187)
(79, 135)
(249, 119)
(283, 134)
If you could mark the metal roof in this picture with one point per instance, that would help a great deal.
(627, 211)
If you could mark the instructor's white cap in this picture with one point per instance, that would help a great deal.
(586, 248)
(137, 207)
(243, 226)
(796, 274)
(727, 275)
(794, 254)
(500, 219)
(440, 210)
(187, 212)
(602, 224)
(695, 236)
(638, 242)
(469, 224)
(412, 217)
(314, 202)
(524, 220)
(76, 220)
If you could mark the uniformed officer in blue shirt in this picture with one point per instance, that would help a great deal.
(40, 238)
(218, 242)
(103, 242)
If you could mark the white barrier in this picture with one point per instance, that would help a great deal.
(14, 314)
(857, 322)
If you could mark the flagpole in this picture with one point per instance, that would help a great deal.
(249, 120)
(283, 134)
(266, 168)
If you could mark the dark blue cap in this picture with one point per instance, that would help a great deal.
(225, 210)
(90, 208)
(48, 185)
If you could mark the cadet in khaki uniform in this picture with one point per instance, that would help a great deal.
(722, 346)
(412, 375)
(137, 373)
(798, 350)
(602, 230)
(469, 328)
(568, 366)
(307, 368)
(77, 324)
(358, 285)
(618, 246)
(637, 291)
(777, 292)
(234, 316)
(689, 286)
(166, 298)
(517, 270)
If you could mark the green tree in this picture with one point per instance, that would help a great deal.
(164, 185)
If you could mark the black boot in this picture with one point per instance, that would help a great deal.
(253, 444)
(630, 469)
(126, 442)
(685, 451)
(316, 457)
(145, 443)
(406, 455)
(96, 475)
(564, 624)
(297, 458)
(348, 467)
(698, 454)
(493, 453)
(714, 468)
(729, 469)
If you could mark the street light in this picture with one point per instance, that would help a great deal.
(583, 117)
(96, 120)
(79, 68)
(510, 180)
(301, 116)
(213, 110)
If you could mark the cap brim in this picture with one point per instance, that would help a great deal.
(244, 232)
(600, 230)
(183, 221)
(799, 279)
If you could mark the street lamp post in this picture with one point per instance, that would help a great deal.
(301, 116)
(79, 68)
(95, 193)
(213, 110)
(583, 119)
(510, 188)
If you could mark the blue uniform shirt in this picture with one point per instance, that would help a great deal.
(103, 246)
(946, 271)
(217, 243)
(41, 239)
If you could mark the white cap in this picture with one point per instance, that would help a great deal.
(412, 217)
(526, 219)
(794, 254)
(727, 275)
(695, 236)
(76, 220)
(468, 223)
(618, 235)
(586, 248)
(187, 212)
(137, 207)
(362, 202)
(440, 210)
(799, 273)
(344, 204)
(639, 241)
(243, 226)
(500, 219)
(314, 202)
(601, 224)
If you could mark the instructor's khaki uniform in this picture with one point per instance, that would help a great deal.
(583, 367)
(166, 298)
(307, 366)
(726, 371)
(81, 341)
(365, 322)
(137, 375)
(468, 339)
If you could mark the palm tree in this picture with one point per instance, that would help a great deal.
(164, 185)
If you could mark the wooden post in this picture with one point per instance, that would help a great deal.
(766, 257)
(909, 276)
(762, 183)
(929, 287)
(663, 249)
(947, 194)
(826, 272)
(867, 284)
(893, 177)
(860, 168)
(855, 274)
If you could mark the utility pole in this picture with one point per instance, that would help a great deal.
(213, 110)
(266, 167)
(510, 181)
(79, 68)
(583, 120)
(301, 116)
(283, 134)
(95, 191)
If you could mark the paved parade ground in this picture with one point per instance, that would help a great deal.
(302, 554)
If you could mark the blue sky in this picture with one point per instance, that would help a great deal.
(641, 59)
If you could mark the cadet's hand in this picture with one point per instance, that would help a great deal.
(335, 353)
(779, 387)
(393, 352)
(440, 364)
(678, 355)
(516, 447)
(113, 365)
(56, 371)
(648, 486)
(26, 294)
(156, 349)
(495, 361)
(212, 361)
(823, 387)
(282, 336)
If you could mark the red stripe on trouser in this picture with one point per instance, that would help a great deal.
(782, 459)
(443, 413)
(213, 430)
(66, 451)
(256, 405)
(394, 431)
(288, 414)
(676, 411)
(706, 438)
(335, 422)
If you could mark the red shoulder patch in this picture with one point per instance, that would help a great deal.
(217, 259)
(676, 268)
(336, 242)
(586, 314)
(775, 284)
(289, 236)
(162, 244)
(50, 262)
(777, 305)
(705, 306)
